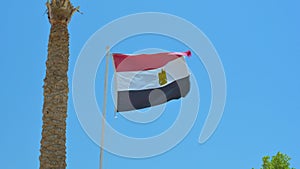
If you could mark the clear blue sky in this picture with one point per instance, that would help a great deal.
(258, 43)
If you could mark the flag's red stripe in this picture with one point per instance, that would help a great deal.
(142, 62)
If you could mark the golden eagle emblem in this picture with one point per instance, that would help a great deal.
(162, 77)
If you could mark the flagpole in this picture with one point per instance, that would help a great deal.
(104, 106)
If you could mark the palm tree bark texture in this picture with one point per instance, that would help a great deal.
(53, 142)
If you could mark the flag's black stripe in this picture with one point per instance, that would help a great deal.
(138, 99)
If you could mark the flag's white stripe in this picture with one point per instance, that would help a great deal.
(149, 79)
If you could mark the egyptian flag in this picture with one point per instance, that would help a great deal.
(146, 80)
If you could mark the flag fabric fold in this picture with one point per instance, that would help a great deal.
(146, 80)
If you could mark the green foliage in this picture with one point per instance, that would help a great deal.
(279, 161)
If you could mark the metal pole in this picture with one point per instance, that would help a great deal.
(104, 107)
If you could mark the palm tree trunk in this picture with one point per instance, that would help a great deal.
(53, 143)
